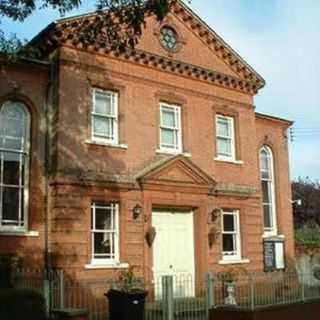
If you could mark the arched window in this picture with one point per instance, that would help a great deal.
(14, 165)
(268, 194)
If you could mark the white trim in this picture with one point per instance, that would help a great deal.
(32, 234)
(114, 239)
(242, 261)
(271, 182)
(177, 147)
(274, 237)
(106, 144)
(24, 159)
(237, 255)
(107, 266)
(228, 160)
(114, 97)
(230, 121)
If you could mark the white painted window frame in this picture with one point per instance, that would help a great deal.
(231, 138)
(25, 188)
(177, 147)
(236, 255)
(114, 207)
(273, 230)
(115, 118)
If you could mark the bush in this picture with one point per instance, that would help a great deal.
(19, 304)
(309, 235)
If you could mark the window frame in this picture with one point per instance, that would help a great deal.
(232, 138)
(115, 117)
(26, 153)
(271, 188)
(237, 256)
(114, 207)
(177, 130)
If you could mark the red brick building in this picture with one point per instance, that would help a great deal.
(153, 157)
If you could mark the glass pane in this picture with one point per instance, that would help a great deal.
(103, 219)
(10, 209)
(167, 137)
(228, 243)
(102, 244)
(224, 147)
(266, 192)
(13, 126)
(103, 103)
(229, 222)
(224, 129)
(168, 118)
(103, 126)
(11, 168)
(267, 212)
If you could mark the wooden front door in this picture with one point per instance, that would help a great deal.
(173, 251)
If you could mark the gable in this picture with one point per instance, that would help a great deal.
(193, 50)
(202, 53)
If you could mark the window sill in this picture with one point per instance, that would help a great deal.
(106, 266)
(185, 154)
(241, 261)
(19, 233)
(106, 144)
(273, 236)
(238, 162)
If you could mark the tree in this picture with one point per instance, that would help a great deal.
(122, 21)
(309, 210)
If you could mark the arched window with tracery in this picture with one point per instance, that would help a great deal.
(14, 165)
(268, 190)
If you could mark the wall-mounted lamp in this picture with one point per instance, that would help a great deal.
(136, 211)
(214, 214)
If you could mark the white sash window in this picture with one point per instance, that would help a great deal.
(14, 166)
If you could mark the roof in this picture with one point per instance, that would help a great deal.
(273, 118)
(65, 31)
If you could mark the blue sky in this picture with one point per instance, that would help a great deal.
(280, 39)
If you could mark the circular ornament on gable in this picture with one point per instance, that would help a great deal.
(169, 38)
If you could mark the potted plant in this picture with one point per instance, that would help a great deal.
(230, 279)
(127, 297)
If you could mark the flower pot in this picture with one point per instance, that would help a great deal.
(126, 305)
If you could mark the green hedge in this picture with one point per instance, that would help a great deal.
(21, 304)
(307, 237)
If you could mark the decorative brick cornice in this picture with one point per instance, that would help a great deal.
(68, 32)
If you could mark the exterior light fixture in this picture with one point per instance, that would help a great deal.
(136, 212)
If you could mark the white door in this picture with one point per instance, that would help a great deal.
(173, 251)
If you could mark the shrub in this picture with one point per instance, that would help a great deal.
(19, 304)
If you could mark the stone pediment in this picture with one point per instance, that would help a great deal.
(176, 171)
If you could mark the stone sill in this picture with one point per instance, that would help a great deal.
(185, 154)
(19, 233)
(106, 144)
(231, 161)
(109, 266)
(241, 261)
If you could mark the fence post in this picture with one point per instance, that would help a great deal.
(303, 294)
(167, 298)
(252, 291)
(46, 290)
(61, 288)
(210, 303)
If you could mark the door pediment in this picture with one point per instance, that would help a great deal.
(176, 171)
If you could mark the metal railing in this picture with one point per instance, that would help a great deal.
(176, 297)
(259, 289)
